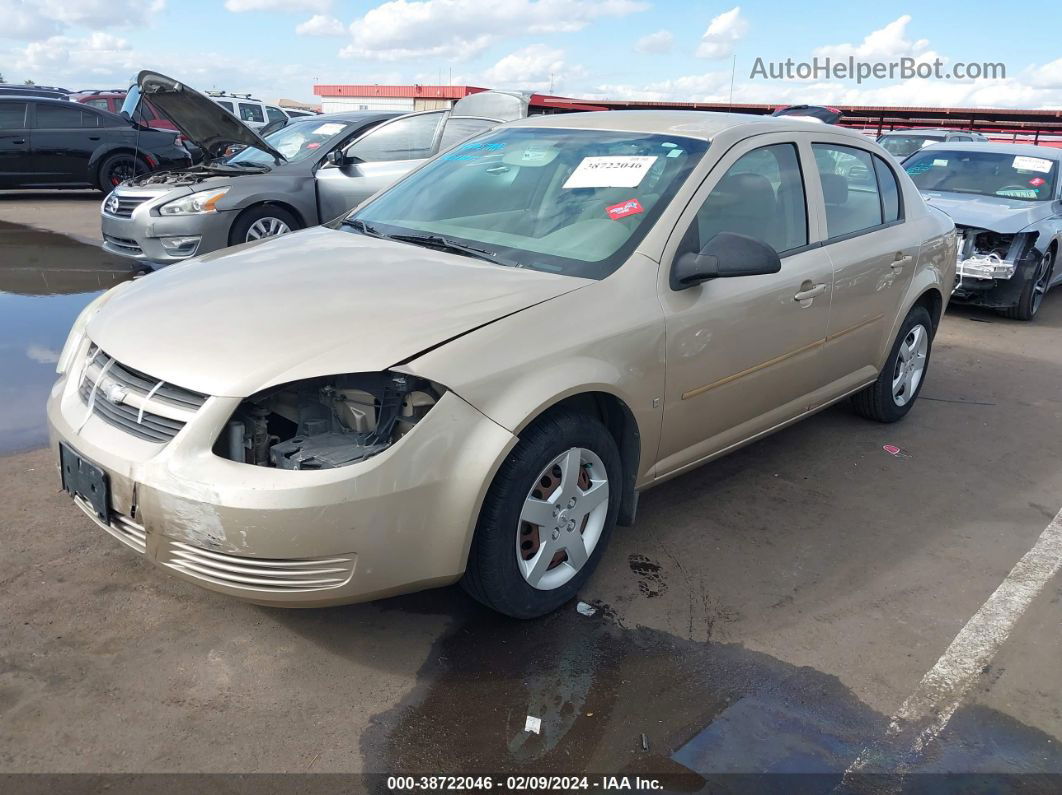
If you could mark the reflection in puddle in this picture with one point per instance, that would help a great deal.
(45, 281)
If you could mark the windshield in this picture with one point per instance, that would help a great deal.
(985, 173)
(297, 141)
(575, 202)
(902, 145)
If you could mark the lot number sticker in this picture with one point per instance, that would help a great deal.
(331, 128)
(1023, 163)
(610, 172)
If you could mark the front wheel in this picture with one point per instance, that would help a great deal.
(262, 222)
(891, 396)
(1032, 294)
(547, 517)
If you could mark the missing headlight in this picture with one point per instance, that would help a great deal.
(322, 423)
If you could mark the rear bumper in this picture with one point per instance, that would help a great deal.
(398, 522)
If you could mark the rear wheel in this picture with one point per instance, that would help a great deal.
(547, 517)
(890, 397)
(261, 222)
(1032, 294)
(117, 168)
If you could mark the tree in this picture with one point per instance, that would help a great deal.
(29, 83)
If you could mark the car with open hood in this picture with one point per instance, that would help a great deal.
(474, 374)
(310, 170)
(1006, 201)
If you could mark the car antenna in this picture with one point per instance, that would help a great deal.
(137, 124)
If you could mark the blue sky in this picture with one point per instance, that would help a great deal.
(614, 48)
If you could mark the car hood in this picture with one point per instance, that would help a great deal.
(203, 122)
(996, 213)
(316, 302)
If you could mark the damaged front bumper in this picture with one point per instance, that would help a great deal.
(990, 267)
(397, 522)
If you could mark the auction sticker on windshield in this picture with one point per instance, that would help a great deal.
(626, 171)
(331, 128)
(1024, 163)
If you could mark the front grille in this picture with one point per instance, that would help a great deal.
(126, 244)
(260, 574)
(143, 406)
(122, 206)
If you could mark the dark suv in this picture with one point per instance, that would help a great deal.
(52, 143)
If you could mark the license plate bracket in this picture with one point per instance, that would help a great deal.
(81, 478)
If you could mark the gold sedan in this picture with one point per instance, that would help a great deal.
(472, 375)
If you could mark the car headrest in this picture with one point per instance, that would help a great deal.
(834, 189)
(754, 189)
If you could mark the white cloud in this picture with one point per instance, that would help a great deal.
(655, 43)
(723, 32)
(533, 68)
(885, 44)
(42, 354)
(462, 29)
(240, 6)
(1047, 76)
(38, 19)
(321, 25)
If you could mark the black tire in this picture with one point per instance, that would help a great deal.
(877, 401)
(493, 576)
(117, 168)
(262, 212)
(1034, 290)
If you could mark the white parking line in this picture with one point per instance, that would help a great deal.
(928, 709)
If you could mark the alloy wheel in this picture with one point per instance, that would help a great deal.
(121, 171)
(267, 227)
(562, 519)
(910, 365)
(1042, 280)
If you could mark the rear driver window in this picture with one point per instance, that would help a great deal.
(849, 188)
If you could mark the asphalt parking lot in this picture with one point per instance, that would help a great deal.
(770, 612)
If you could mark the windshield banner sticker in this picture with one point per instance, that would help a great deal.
(331, 128)
(623, 209)
(610, 172)
(1024, 163)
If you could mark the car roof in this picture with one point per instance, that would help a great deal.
(705, 125)
(1032, 150)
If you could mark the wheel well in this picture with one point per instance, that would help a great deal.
(933, 301)
(282, 205)
(617, 417)
(118, 150)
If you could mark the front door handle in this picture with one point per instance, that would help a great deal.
(19, 141)
(93, 137)
(809, 291)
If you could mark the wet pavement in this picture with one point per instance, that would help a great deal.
(45, 281)
(766, 616)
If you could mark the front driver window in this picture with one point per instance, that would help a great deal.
(761, 196)
(408, 138)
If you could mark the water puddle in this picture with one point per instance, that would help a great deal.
(45, 281)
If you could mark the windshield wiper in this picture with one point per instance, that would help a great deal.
(445, 244)
(361, 226)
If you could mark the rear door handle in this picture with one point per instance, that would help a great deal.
(19, 141)
(900, 261)
(809, 291)
(93, 137)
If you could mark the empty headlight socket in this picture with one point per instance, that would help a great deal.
(328, 422)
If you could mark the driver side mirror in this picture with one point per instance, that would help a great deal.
(337, 157)
(725, 255)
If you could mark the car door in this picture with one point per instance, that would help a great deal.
(859, 199)
(743, 353)
(15, 165)
(375, 160)
(64, 136)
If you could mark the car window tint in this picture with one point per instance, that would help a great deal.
(849, 188)
(890, 190)
(251, 113)
(762, 196)
(459, 128)
(409, 138)
(275, 114)
(12, 115)
(56, 116)
(226, 105)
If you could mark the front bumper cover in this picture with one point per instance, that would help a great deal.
(398, 522)
(140, 236)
